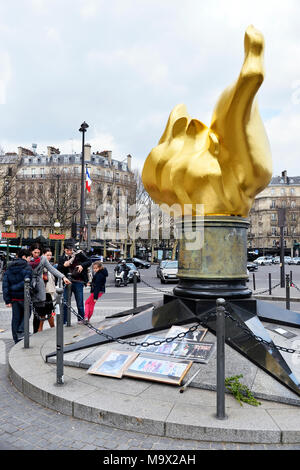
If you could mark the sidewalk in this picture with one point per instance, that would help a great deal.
(155, 408)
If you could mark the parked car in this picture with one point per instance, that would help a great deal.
(94, 258)
(276, 260)
(295, 260)
(263, 261)
(169, 272)
(139, 263)
(287, 259)
(252, 266)
(133, 269)
(160, 266)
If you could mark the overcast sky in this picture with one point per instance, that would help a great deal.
(122, 65)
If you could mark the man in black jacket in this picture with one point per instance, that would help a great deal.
(74, 263)
(13, 291)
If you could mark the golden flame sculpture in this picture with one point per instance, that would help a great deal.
(222, 166)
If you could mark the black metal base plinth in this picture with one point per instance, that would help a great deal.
(241, 326)
(197, 289)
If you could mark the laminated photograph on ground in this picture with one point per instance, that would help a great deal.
(197, 352)
(196, 335)
(164, 348)
(192, 350)
(112, 363)
(160, 370)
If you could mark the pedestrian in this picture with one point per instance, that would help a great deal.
(74, 263)
(13, 291)
(49, 280)
(97, 289)
(38, 263)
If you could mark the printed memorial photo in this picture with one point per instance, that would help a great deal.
(157, 369)
(197, 352)
(196, 335)
(112, 363)
(164, 348)
(192, 350)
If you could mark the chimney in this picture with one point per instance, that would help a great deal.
(284, 176)
(129, 157)
(52, 151)
(87, 152)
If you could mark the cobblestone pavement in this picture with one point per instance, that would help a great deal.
(26, 425)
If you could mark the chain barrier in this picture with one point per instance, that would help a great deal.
(268, 289)
(156, 288)
(33, 308)
(294, 285)
(258, 338)
(202, 320)
(144, 344)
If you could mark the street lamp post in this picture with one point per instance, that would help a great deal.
(57, 227)
(83, 129)
(8, 224)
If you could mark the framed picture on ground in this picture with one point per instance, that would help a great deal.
(197, 352)
(196, 335)
(165, 370)
(112, 363)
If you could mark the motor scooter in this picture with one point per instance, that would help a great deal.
(120, 279)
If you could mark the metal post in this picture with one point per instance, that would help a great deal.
(26, 312)
(220, 328)
(254, 286)
(270, 284)
(59, 337)
(83, 129)
(287, 289)
(291, 277)
(281, 257)
(69, 295)
(134, 291)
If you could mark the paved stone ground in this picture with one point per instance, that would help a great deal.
(26, 425)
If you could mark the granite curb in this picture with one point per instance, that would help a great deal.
(133, 405)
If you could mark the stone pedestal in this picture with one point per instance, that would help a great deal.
(215, 263)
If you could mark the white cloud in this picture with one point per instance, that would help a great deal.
(5, 75)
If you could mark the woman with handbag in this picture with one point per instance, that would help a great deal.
(38, 264)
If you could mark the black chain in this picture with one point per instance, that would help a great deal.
(267, 290)
(294, 285)
(258, 338)
(144, 343)
(33, 306)
(156, 288)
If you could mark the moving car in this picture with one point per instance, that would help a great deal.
(139, 263)
(169, 272)
(160, 266)
(252, 266)
(263, 261)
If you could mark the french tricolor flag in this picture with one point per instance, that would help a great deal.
(88, 181)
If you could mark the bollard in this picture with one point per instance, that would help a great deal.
(59, 311)
(254, 287)
(26, 312)
(220, 329)
(291, 278)
(134, 291)
(287, 290)
(270, 284)
(69, 295)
